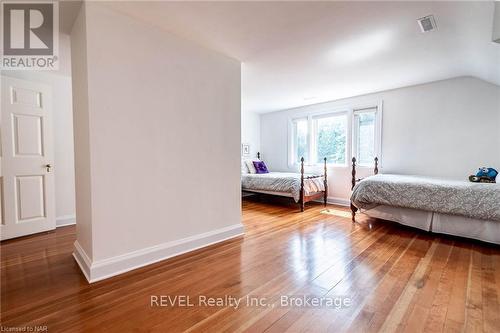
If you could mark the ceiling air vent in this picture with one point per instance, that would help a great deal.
(427, 23)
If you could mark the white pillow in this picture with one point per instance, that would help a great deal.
(250, 166)
(244, 168)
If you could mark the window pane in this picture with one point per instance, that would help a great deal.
(331, 136)
(300, 137)
(366, 137)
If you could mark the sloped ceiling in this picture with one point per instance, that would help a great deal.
(298, 53)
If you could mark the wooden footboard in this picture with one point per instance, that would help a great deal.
(354, 209)
(314, 196)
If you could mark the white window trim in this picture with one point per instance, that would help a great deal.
(325, 111)
(291, 140)
(378, 131)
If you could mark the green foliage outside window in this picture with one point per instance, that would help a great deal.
(331, 139)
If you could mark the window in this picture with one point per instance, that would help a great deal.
(300, 140)
(330, 139)
(364, 141)
(315, 138)
(338, 136)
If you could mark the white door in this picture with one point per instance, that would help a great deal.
(27, 181)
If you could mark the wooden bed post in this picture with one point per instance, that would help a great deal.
(325, 183)
(353, 173)
(301, 200)
(353, 182)
(258, 155)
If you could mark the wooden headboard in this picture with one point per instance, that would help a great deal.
(353, 179)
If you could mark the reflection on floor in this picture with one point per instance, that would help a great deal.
(292, 271)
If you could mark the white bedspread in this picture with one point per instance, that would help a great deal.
(473, 200)
(285, 182)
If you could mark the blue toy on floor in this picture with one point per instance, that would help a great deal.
(484, 175)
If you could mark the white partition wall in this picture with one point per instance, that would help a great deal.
(157, 143)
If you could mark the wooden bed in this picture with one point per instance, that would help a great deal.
(303, 197)
(354, 180)
(444, 206)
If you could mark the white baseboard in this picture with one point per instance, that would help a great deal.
(83, 260)
(63, 221)
(102, 269)
(338, 201)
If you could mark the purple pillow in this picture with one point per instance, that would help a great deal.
(260, 166)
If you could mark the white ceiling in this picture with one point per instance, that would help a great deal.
(298, 53)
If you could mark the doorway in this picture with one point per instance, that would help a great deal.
(37, 177)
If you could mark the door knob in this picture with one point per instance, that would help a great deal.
(48, 167)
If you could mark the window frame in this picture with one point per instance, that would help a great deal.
(292, 142)
(377, 135)
(324, 111)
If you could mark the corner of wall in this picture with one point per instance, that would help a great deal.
(81, 131)
(251, 131)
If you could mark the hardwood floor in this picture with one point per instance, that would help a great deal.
(395, 278)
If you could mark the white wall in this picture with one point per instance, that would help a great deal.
(250, 131)
(445, 129)
(496, 23)
(158, 143)
(60, 82)
(81, 128)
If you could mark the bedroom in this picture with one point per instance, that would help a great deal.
(158, 87)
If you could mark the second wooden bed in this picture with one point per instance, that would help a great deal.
(300, 182)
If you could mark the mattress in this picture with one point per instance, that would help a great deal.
(483, 230)
(281, 183)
